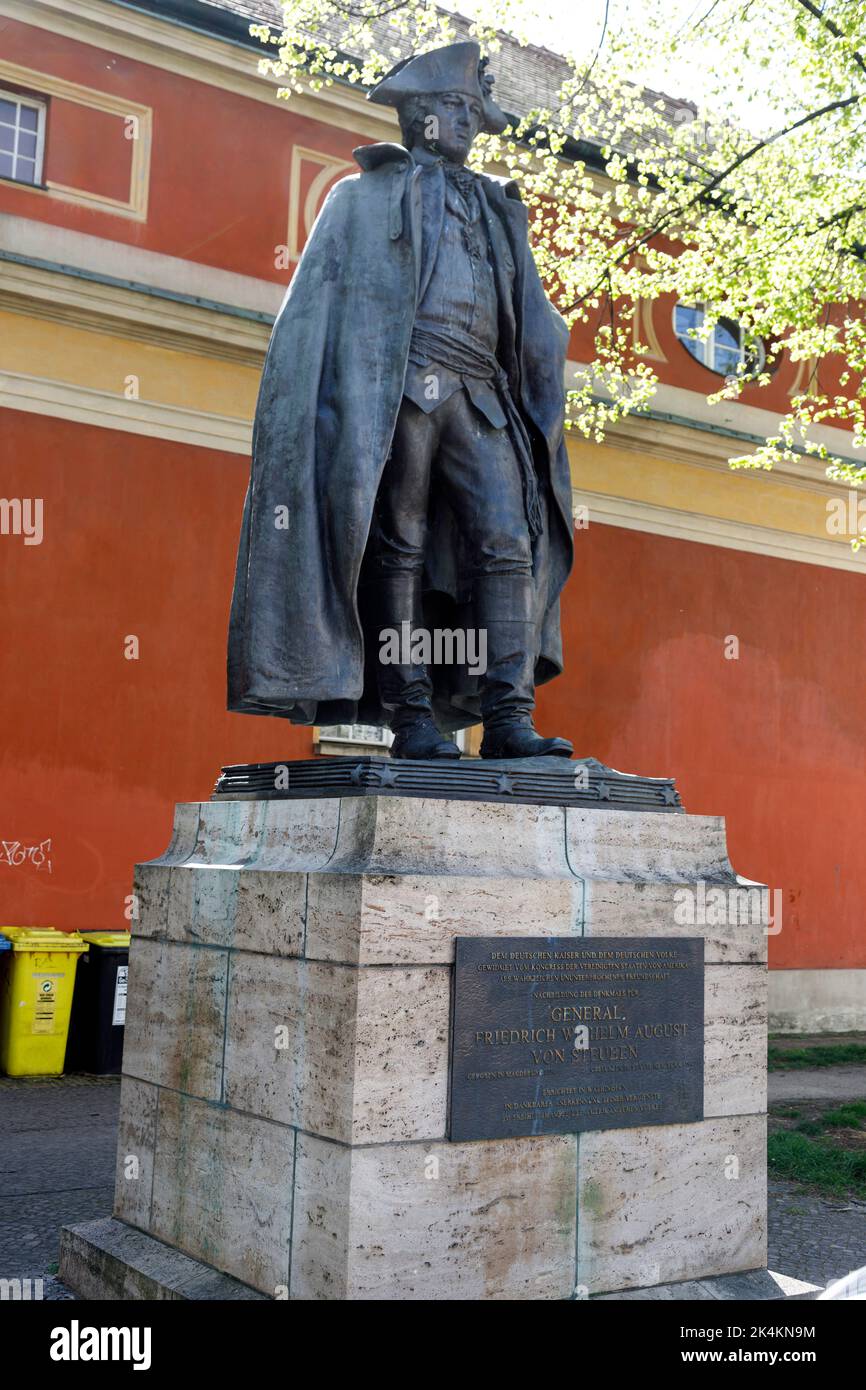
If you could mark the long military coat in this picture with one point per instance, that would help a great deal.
(300, 643)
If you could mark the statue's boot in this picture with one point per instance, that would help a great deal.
(521, 741)
(406, 690)
(421, 739)
(504, 609)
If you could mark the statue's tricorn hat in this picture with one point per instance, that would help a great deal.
(458, 67)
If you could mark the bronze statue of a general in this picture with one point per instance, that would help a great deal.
(409, 477)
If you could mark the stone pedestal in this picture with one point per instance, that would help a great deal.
(285, 1074)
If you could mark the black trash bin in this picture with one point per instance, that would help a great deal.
(99, 1004)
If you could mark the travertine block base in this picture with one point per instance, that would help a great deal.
(659, 1200)
(285, 1090)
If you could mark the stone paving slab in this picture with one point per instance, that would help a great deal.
(107, 1259)
(754, 1285)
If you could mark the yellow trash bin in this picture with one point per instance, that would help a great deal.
(35, 999)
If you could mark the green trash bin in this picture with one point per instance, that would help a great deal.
(99, 1004)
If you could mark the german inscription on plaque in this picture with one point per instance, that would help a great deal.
(553, 1035)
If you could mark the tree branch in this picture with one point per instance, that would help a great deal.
(703, 193)
(832, 28)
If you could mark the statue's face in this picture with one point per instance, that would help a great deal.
(452, 122)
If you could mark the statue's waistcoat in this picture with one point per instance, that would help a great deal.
(459, 294)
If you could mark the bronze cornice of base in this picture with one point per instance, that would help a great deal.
(547, 781)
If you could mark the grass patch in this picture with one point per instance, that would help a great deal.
(803, 1158)
(848, 1116)
(831, 1055)
(824, 1149)
(809, 1127)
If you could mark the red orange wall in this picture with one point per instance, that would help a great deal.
(772, 740)
(140, 538)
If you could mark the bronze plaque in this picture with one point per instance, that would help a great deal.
(553, 1035)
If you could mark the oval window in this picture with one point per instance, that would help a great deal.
(724, 349)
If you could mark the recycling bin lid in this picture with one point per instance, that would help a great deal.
(43, 939)
(106, 938)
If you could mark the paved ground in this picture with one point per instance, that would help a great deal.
(817, 1239)
(57, 1145)
(792, 1042)
(816, 1083)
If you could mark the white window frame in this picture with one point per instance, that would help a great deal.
(355, 736)
(357, 740)
(41, 109)
(703, 350)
